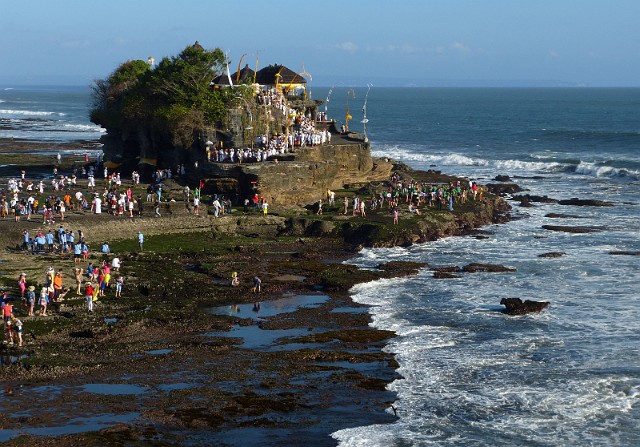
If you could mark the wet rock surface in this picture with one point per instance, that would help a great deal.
(515, 306)
(570, 229)
(552, 254)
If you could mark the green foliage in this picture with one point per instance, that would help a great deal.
(174, 98)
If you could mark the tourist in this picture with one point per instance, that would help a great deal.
(257, 284)
(31, 299)
(105, 248)
(119, 284)
(319, 207)
(44, 301)
(8, 328)
(140, 239)
(88, 296)
(22, 283)
(395, 216)
(115, 264)
(78, 276)
(346, 205)
(57, 285)
(7, 312)
(17, 324)
(235, 281)
(196, 205)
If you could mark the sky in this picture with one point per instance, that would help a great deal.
(591, 43)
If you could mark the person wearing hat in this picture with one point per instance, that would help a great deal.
(88, 295)
(31, 299)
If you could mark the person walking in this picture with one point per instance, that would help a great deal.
(140, 239)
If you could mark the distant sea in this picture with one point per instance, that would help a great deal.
(47, 113)
(472, 376)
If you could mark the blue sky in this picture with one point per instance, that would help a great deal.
(414, 42)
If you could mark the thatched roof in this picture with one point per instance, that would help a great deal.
(246, 75)
(267, 76)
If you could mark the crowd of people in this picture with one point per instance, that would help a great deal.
(303, 133)
(412, 194)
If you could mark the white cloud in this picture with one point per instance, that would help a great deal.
(459, 48)
(347, 46)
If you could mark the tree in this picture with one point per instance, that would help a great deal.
(175, 99)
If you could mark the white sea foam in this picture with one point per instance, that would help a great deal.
(532, 166)
(84, 127)
(404, 154)
(28, 112)
(593, 169)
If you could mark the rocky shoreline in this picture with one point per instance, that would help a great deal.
(186, 358)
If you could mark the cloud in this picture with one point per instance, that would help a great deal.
(458, 47)
(347, 46)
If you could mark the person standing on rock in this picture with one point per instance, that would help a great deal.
(257, 284)
(140, 239)
(196, 205)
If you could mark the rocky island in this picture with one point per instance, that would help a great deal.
(197, 359)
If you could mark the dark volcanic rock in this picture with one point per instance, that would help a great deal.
(562, 216)
(444, 275)
(515, 306)
(584, 202)
(502, 189)
(570, 229)
(493, 268)
(525, 203)
(625, 253)
(552, 254)
(502, 178)
(534, 198)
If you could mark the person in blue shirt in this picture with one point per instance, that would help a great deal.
(49, 237)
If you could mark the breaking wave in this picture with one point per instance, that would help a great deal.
(29, 113)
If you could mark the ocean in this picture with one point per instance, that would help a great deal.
(472, 376)
(47, 114)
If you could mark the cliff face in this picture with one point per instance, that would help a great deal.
(303, 180)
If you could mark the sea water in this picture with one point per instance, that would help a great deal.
(47, 113)
(472, 376)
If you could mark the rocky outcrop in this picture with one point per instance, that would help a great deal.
(515, 306)
(302, 179)
(534, 198)
(584, 202)
(570, 229)
(427, 227)
(552, 254)
(503, 189)
(493, 268)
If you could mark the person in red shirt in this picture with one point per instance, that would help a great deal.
(88, 295)
(7, 312)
